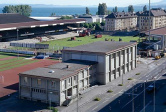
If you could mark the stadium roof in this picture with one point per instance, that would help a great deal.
(102, 47)
(14, 18)
(33, 24)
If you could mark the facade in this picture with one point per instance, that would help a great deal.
(157, 19)
(82, 67)
(114, 58)
(58, 83)
(121, 21)
(93, 19)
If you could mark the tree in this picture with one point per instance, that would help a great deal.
(116, 9)
(103, 23)
(98, 26)
(108, 12)
(113, 10)
(102, 9)
(53, 14)
(66, 17)
(145, 8)
(21, 9)
(87, 11)
(130, 8)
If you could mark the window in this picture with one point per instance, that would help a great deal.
(53, 83)
(38, 82)
(25, 80)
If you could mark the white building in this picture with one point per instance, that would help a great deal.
(93, 19)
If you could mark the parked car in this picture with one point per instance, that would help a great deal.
(150, 88)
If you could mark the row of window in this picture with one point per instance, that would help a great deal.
(39, 82)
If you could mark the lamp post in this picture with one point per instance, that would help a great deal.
(154, 108)
(50, 99)
(17, 40)
(149, 21)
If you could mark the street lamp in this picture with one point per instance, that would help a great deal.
(17, 40)
(50, 99)
(154, 94)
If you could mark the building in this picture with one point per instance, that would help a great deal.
(82, 67)
(114, 58)
(121, 21)
(58, 83)
(93, 19)
(157, 19)
(25, 27)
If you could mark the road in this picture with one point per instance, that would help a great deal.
(131, 97)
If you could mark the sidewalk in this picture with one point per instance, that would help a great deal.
(87, 98)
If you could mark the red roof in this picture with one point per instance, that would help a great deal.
(12, 26)
(158, 31)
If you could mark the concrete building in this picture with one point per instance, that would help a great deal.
(121, 21)
(157, 19)
(114, 58)
(58, 83)
(82, 67)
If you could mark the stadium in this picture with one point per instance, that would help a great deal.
(16, 26)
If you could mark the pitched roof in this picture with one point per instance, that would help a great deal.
(14, 18)
(117, 15)
(158, 31)
(102, 47)
(154, 12)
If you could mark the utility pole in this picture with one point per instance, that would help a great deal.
(77, 92)
(122, 78)
(144, 96)
(149, 21)
(133, 98)
(17, 46)
(154, 95)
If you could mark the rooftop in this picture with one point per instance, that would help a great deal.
(154, 12)
(158, 31)
(103, 47)
(61, 70)
(121, 15)
(14, 18)
(12, 26)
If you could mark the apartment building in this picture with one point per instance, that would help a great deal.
(157, 19)
(121, 21)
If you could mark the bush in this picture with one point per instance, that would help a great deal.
(130, 79)
(109, 91)
(137, 74)
(53, 109)
(120, 84)
(97, 99)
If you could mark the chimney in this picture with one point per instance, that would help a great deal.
(67, 66)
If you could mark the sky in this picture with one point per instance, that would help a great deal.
(110, 3)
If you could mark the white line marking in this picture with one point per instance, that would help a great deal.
(145, 106)
(94, 108)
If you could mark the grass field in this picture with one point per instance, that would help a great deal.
(13, 62)
(85, 40)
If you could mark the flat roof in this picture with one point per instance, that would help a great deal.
(60, 69)
(103, 47)
(32, 24)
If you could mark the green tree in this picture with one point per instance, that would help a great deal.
(130, 8)
(53, 14)
(66, 17)
(87, 11)
(21, 9)
(145, 8)
(116, 9)
(98, 26)
(102, 9)
(103, 23)
(86, 25)
(108, 12)
(113, 10)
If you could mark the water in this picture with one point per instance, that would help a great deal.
(43, 12)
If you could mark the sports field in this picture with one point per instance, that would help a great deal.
(11, 60)
(11, 65)
(85, 40)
